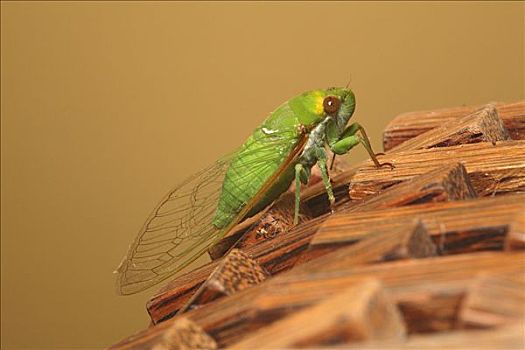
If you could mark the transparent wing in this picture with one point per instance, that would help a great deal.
(180, 227)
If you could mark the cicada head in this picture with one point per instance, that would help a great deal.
(314, 106)
(340, 104)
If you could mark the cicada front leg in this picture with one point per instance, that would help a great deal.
(351, 136)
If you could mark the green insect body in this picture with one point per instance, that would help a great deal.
(242, 181)
(200, 211)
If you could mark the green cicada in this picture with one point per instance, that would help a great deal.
(205, 207)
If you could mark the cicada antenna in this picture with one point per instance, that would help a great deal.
(349, 80)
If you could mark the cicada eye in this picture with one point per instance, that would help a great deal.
(331, 104)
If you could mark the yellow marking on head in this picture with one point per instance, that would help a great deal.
(319, 99)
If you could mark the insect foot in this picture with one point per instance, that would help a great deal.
(386, 163)
(392, 166)
(332, 207)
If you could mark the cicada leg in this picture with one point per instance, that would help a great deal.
(349, 139)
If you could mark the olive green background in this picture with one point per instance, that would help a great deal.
(105, 106)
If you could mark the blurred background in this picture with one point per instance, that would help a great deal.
(105, 106)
